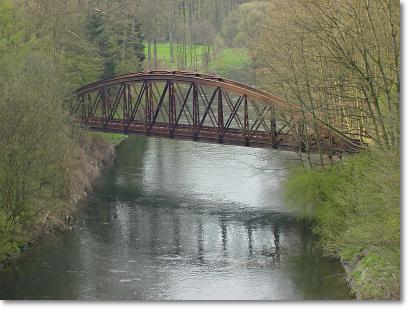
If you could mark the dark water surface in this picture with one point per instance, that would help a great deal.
(181, 220)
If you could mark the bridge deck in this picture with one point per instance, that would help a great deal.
(207, 134)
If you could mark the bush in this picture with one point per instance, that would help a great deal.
(355, 207)
(36, 143)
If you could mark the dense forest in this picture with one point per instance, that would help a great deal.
(339, 62)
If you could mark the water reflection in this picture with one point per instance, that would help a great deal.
(181, 220)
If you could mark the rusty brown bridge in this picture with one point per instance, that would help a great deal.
(200, 107)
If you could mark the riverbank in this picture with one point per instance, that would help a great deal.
(355, 208)
(95, 152)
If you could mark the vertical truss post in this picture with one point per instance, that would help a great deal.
(103, 108)
(246, 133)
(124, 107)
(148, 106)
(129, 104)
(108, 104)
(83, 115)
(87, 109)
(220, 116)
(273, 126)
(103, 105)
(195, 110)
(171, 109)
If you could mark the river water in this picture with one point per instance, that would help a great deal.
(179, 220)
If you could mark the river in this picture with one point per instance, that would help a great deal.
(180, 220)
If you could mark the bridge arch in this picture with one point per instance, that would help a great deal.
(196, 106)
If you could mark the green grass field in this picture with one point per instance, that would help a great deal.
(230, 59)
(226, 60)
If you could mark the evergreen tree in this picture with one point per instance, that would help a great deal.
(120, 43)
(98, 34)
(138, 43)
(129, 41)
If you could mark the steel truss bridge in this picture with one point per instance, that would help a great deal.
(200, 107)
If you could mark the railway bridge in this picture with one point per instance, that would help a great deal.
(187, 105)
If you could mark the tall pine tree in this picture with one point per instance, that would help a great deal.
(129, 40)
(138, 43)
(98, 34)
(120, 43)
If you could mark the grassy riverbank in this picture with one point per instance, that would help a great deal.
(111, 138)
(355, 208)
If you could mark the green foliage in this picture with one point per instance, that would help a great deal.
(230, 59)
(242, 25)
(36, 150)
(111, 138)
(377, 276)
(40, 150)
(8, 232)
(119, 43)
(79, 68)
(99, 35)
(131, 47)
(10, 26)
(355, 206)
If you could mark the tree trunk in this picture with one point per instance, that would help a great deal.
(149, 56)
(155, 55)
